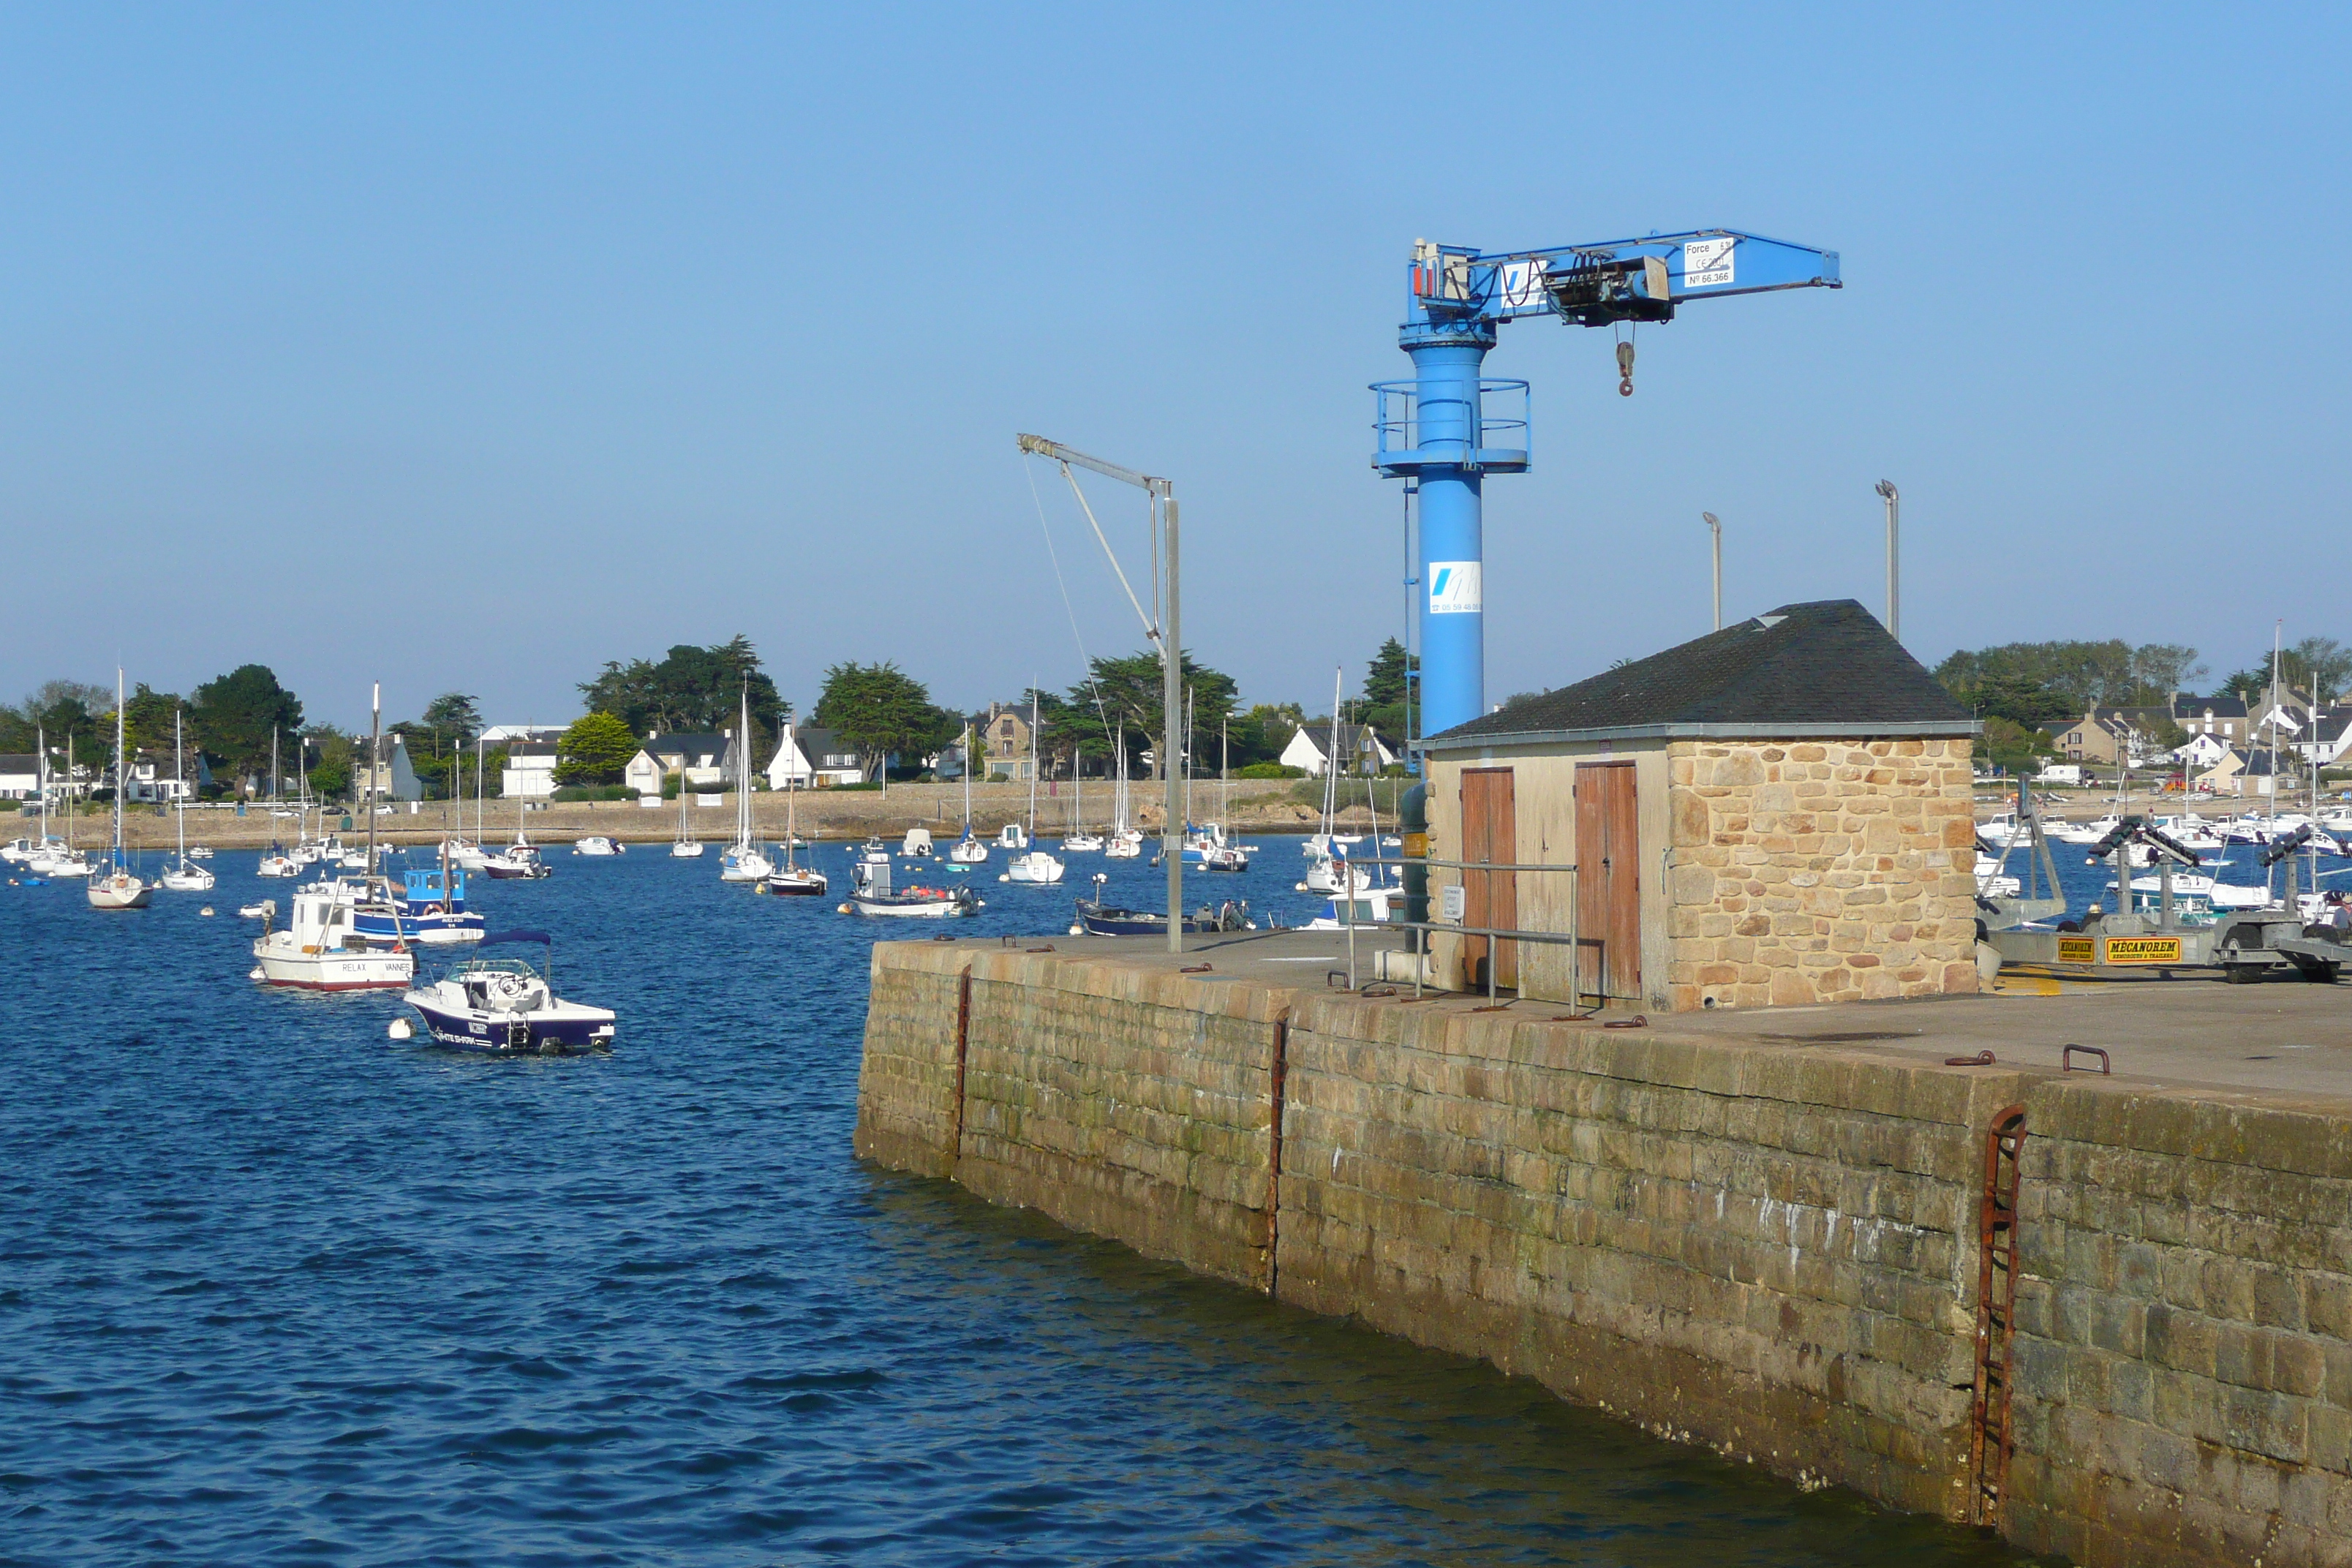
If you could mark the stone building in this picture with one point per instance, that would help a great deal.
(1776, 814)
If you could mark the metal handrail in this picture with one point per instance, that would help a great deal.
(1571, 940)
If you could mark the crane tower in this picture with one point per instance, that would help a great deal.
(1436, 432)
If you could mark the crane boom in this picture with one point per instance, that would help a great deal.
(1037, 446)
(1434, 432)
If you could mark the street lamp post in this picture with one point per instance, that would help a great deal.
(1893, 558)
(1714, 526)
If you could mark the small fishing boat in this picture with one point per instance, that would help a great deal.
(508, 1005)
(1096, 918)
(597, 844)
(426, 905)
(321, 948)
(874, 895)
(517, 862)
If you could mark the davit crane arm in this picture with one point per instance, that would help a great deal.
(1435, 431)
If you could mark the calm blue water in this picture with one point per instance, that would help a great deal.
(275, 1288)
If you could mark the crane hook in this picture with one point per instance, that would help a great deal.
(1626, 370)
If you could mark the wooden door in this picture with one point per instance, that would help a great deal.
(1608, 881)
(1490, 899)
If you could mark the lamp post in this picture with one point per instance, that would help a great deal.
(1714, 526)
(1893, 558)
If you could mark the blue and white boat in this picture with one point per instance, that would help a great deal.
(424, 905)
(506, 1006)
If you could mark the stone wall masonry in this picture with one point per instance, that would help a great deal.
(2184, 1329)
(1770, 1250)
(1820, 871)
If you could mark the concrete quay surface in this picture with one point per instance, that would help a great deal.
(1758, 1230)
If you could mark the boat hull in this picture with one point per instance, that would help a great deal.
(288, 968)
(564, 1031)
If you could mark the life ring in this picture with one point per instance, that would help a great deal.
(436, 909)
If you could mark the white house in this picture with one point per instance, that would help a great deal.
(1361, 750)
(701, 761)
(2203, 750)
(809, 757)
(20, 776)
(530, 772)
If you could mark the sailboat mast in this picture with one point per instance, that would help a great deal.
(375, 761)
(180, 781)
(41, 745)
(121, 771)
(1032, 765)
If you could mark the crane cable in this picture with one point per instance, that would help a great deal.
(1068, 608)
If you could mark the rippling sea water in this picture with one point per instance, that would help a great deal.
(276, 1289)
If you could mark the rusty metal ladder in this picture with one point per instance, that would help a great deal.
(1989, 1437)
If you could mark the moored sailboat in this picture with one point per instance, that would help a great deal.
(119, 888)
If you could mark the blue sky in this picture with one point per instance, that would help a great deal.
(472, 346)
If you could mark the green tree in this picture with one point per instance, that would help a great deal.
(2013, 746)
(880, 709)
(2034, 684)
(1129, 690)
(1386, 685)
(147, 716)
(233, 715)
(691, 689)
(60, 708)
(594, 750)
(330, 755)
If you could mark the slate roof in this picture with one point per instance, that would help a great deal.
(1822, 669)
(692, 747)
(2222, 705)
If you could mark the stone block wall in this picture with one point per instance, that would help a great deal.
(1126, 1102)
(1819, 871)
(2184, 1341)
(1768, 1249)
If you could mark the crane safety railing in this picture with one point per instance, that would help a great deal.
(1571, 939)
(1409, 427)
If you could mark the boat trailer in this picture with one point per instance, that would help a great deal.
(2246, 945)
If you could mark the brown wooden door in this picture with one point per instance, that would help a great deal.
(1608, 881)
(1491, 898)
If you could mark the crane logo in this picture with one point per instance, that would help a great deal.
(1454, 588)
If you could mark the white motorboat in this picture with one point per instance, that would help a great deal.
(917, 845)
(321, 949)
(1081, 843)
(506, 1007)
(1034, 866)
(1372, 906)
(596, 843)
(266, 909)
(117, 888)
(23, 851)
(1012, 836)
(1224, 858)
(1125, 845)
(61, 863)
(1333, 874)
(188, 878)
(968, 851)
(1037, 867)
(518, 862)
(275, 862)
(200, 852)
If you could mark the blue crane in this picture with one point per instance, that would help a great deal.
(1435, 431)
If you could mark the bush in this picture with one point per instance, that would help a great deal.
(1269, 771)
(571, 793)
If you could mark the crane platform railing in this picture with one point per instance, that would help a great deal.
(1410, 431)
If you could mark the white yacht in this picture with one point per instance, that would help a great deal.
(118, 887)
(596, 843)
(743, 861)
(187, 877)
